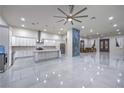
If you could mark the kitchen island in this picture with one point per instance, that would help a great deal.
(41, 55)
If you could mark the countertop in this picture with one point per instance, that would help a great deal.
(46, 50)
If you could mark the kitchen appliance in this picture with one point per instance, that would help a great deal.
(62, 48)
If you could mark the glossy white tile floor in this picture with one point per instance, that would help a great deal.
(89, 70)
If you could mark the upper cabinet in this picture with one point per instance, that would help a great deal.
(23, 41)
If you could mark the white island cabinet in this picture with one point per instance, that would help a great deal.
(40, 55)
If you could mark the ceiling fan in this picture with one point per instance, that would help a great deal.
(71, 17)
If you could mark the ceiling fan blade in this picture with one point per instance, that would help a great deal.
(65, 22)
(60, 20)
(80, 11)
(71, 8)
(62, 11)
(77, 20)
(81, 16)
(72, 22)
(59, 16)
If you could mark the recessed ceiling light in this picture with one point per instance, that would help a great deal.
(83, 27)
(91, 30)
(44, 29)
(61, 29)
(97, 33)
(53, 73)
(118, 30)
(22, 19)
(111, 18)
(23, 25)
(115, 25)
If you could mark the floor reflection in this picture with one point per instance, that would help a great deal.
(85, 71)
(104, 59)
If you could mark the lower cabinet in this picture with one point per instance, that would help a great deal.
(24, 53)
(39, 56)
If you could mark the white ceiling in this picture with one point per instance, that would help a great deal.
(44, 15)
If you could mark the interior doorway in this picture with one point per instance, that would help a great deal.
(104, 45)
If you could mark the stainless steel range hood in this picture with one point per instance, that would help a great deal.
(39, 37)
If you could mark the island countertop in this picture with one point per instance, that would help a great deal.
(40, 55)
(46, 50)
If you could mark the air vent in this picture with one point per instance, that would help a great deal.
(35, 23)
(93, 18)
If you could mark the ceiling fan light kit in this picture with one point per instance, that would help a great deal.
(70, 17)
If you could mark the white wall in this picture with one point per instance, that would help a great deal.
(50, 36)
(117, 50)
(86, 43)
(112, 44)
(64, 37)
(2, 22)
(52, 39)
(4, 33)
(89, 42)
(69, 44)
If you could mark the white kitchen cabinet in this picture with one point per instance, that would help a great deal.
(23, 41)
